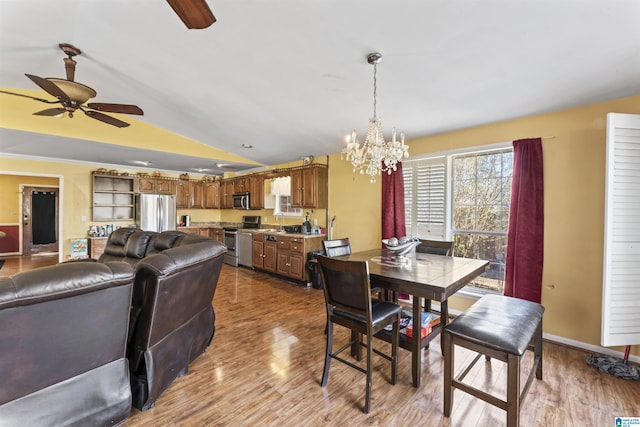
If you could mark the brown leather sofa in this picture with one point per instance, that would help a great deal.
(63, 339)
(172, 317)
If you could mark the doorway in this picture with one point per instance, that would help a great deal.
(40, 207)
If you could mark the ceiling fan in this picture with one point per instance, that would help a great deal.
(195, 14)
(73, 95)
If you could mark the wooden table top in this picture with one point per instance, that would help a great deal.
(436, 277)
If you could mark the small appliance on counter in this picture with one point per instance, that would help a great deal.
(306, 225)
(185, 220)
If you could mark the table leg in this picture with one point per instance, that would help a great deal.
(444, 319)
(416, 352)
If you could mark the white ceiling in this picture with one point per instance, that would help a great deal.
(290, 77)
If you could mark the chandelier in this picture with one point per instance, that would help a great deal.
(375, 155)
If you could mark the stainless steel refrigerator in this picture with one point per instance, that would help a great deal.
(156, 212)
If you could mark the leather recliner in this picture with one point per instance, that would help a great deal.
(63, 340)
(172, 316)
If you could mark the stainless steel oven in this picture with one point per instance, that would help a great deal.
(237, 255)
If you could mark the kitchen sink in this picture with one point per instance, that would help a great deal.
(272, 230)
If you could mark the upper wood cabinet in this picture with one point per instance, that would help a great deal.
(226, 194)
(182, 194)
(196, 194)
(157, 186)
(212, 195)
(241, 185)
(309, 187)
(256, 191)
(189, 195)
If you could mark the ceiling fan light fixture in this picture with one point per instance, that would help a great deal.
(75, 91)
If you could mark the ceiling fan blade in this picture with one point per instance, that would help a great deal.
(30, 97)
(48, 87)
(107, 119)
(195, 14)
(50, 112)
(116, 108)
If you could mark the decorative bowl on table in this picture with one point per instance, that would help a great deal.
(400, 247)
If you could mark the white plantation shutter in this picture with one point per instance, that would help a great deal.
(424, 195)
(621, 269)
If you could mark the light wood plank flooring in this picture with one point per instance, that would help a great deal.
(265, 363)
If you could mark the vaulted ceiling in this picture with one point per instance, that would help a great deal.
(290, 79)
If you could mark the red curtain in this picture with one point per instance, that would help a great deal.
(393, 224)
(523, 276)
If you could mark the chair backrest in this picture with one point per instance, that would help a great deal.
(436, 247)
(336, 247)
(346, 286)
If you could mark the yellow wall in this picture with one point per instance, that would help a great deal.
(574, 168)
(10, 194)
(574, 204)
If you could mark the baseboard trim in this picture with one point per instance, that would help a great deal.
(588, 347)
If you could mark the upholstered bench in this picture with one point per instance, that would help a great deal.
(502, 328)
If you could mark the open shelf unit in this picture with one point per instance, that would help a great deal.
(114, 197)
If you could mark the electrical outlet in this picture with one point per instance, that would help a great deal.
(315, 221)
(84, 218)
(265, 219)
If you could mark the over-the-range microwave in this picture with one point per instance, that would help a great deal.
(241, 201)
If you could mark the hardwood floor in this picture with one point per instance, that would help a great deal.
(265, 363)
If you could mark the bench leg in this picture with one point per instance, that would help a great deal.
(448, 373)
(537, 350)
(513, 390)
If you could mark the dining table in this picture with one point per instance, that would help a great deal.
(421, 275)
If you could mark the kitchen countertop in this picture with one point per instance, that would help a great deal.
(272, 231)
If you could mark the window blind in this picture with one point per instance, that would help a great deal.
(621, 266)
(425, 197)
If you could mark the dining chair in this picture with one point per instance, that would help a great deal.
(436, 247)
(343, 247)
(337, 247)
(347, 292)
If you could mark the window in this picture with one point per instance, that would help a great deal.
(277, 193)
(473, 210)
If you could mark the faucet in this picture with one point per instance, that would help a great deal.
(275, 216)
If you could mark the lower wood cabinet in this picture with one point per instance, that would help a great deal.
(264, 252)
(285, 255)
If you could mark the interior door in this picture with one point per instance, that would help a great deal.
(39, 220)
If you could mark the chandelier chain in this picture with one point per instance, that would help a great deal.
(375, 85)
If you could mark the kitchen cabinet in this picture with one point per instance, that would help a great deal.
(182, 194)
(309, 187)
(291, 257)
(226, 194)
(284, 254)
(217, 234)
(196, 194)
(189, 195)
(114, 197)
(156, 185)
(212, 195)
(256, 191)
(241, 185)
(264, 252)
